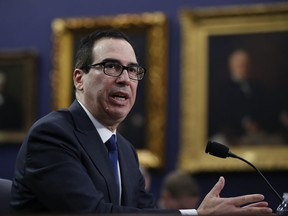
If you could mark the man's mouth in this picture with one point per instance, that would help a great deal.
(120, 96)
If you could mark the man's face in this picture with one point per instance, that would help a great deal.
(240, 65)
(108, 98)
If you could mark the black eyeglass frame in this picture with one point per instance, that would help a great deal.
(141, 74)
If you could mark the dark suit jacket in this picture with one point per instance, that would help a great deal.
(63, 166)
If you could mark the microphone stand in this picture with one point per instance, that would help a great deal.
(230, 154)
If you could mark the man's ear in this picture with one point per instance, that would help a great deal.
(78, 79)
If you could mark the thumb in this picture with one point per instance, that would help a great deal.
(215, 191)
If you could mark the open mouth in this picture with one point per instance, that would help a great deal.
(120, 96)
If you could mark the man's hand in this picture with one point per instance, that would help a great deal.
(213, 204)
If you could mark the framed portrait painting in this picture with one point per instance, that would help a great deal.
(234, 86)
(17, 94)
(145, 126)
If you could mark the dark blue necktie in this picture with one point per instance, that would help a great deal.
(113, 155)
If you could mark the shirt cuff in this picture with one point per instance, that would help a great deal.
(188, 212)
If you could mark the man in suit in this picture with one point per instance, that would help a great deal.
(63, 165)
(241, 106)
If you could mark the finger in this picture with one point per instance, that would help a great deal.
(246, 199)
(256, 211)
(258, 204)
(215, 191)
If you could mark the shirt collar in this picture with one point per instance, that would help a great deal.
(103, 131)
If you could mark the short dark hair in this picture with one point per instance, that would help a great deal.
(179, 184)
(84, 53)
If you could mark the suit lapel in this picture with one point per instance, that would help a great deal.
(127, 171)
(94, 147)
(123, 167)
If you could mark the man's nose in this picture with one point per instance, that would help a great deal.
(124, 76)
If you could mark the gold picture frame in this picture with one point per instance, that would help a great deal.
(151, 30)
(17, 90)
(200, 28)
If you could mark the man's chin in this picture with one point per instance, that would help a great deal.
(118, 116)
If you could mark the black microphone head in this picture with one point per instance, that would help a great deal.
(217, 149)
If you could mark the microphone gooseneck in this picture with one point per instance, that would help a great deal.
(222, 151)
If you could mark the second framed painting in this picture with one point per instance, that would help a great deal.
(145, 126)
(234, 86)
(18, 72)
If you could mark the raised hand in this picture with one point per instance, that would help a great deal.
(213, 204)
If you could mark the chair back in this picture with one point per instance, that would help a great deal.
(5, 193)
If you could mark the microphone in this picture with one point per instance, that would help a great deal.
(222, 151)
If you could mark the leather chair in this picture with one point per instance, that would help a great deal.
(5, 191)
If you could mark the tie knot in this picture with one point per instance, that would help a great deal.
(111, 144)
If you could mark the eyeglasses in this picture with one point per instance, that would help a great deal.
(114, 69)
